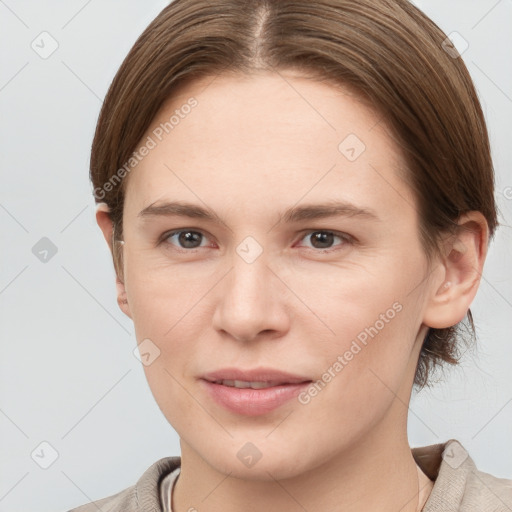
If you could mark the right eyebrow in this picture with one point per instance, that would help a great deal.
(180, 209)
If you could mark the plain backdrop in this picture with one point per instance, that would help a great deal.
(69, 378)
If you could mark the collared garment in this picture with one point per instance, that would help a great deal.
(458, 485)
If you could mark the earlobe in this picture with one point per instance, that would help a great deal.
(122, 299)
(463, 261)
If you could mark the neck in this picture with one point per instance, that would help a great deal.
(377, 472)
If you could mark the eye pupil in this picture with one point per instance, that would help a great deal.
(322, 237)
(189, 237)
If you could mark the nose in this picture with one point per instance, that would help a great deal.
(251, 302)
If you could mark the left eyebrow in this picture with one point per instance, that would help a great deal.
(331, 209)
(290, 215)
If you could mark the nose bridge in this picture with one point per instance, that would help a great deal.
(249, 288)
(249, 278)
(249, 301)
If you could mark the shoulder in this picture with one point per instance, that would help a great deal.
(487, 492)
(460, 485)
(123, 500)
(142, 496)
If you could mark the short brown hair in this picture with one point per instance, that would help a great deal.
(388, 51)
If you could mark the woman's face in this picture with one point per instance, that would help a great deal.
(253, 273)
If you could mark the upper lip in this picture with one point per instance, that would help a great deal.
(255, 375)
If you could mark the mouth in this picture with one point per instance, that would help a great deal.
(241, 384)
(252, 392)
(261, 375)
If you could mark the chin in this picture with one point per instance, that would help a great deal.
(260, 461)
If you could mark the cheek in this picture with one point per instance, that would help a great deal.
(374, 318)
(168, 306)
(166, 312)
(162, 296)
(344, 300)
(361, 372)
(172, 393)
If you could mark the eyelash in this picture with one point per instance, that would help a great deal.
(347, 239)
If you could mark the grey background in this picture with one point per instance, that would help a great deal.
(68, 375)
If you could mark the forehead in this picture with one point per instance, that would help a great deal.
(267, 139)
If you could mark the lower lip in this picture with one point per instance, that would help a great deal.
(253, 402)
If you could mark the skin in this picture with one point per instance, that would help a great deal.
(252, 147)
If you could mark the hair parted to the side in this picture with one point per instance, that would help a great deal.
(387, 51)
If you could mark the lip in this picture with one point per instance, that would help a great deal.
(255, 374)
(248, 401)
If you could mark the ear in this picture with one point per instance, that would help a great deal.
(462, 261)
(106, 225)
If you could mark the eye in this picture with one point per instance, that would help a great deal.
(321, 239)
(184, 238)
(189, 239)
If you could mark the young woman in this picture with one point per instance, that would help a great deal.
(298, 197)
